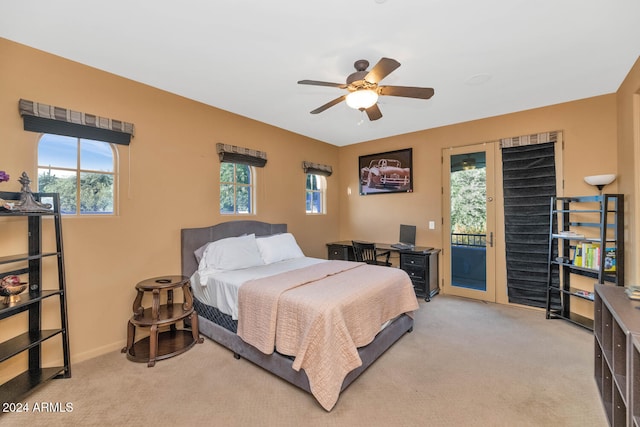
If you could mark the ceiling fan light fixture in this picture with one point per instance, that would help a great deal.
(362, 99)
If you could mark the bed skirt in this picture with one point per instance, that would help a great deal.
(215, 315)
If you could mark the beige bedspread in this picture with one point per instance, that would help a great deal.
(320, 315)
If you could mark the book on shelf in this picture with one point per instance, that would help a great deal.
(577, 256)
(610, 260)
(584, 294)
(591, 259)
(587, 255)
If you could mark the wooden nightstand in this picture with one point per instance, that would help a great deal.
(162, 345)
(422, 268)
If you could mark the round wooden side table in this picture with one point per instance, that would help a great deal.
(168, 343)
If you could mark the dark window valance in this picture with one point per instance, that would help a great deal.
(246, 156)
(45, 118)
(317, 168)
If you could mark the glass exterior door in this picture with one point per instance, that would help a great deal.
(469, 221)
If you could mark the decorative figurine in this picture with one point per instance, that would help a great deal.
(27, 202)
(10, 287)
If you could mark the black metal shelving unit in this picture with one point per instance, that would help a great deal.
(600, 221)
(34, 336)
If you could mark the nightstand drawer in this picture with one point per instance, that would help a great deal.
(340, 252)
(409, 260)
(419, 286)
(415, 272)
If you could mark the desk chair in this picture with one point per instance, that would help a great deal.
(366, 252)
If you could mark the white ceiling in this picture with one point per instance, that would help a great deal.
(483, 58)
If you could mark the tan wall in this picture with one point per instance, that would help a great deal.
(589, 129)
(628, 107)
(168, 180)
(589, 132)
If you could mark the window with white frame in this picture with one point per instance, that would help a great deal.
(236, 189)
(82, 171)
(315, 194)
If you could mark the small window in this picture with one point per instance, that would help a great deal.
(82, 171)
(236, 189)
(316, 186)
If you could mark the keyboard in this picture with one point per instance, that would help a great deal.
(402, 246)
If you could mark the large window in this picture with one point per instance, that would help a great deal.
(236, 188)
(82, 171)
(315, 200)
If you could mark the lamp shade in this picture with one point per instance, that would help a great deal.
(362, 99)
(600, 180)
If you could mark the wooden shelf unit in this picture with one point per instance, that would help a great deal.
(31, 264)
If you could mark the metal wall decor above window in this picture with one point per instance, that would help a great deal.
(246, 156)
(317, 168)
(45, 118)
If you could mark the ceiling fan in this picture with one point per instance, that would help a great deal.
(364, 89)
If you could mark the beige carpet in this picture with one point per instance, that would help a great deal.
(466, 363)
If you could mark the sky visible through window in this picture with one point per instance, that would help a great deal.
(62, 152)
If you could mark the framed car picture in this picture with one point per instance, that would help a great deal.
(389, 172)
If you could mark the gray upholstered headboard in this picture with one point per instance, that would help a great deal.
(193, 238)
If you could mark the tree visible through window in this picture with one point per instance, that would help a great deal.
(82, 171)
(235, 188)
(468, 201)
(315, 193)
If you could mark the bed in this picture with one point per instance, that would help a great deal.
(224, 326)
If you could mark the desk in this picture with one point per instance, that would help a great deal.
(420, 263)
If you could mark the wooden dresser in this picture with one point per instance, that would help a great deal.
(617, 354)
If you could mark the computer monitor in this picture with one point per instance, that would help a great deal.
(408, 234)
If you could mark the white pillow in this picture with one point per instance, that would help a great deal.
(199, 253)
(279, 247)
(232, 253)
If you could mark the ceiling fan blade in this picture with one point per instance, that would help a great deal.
(374, 112)
(382, 69)
(329, 104)
(317, 83)
(406, 91)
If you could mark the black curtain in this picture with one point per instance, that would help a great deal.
(529, 180)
